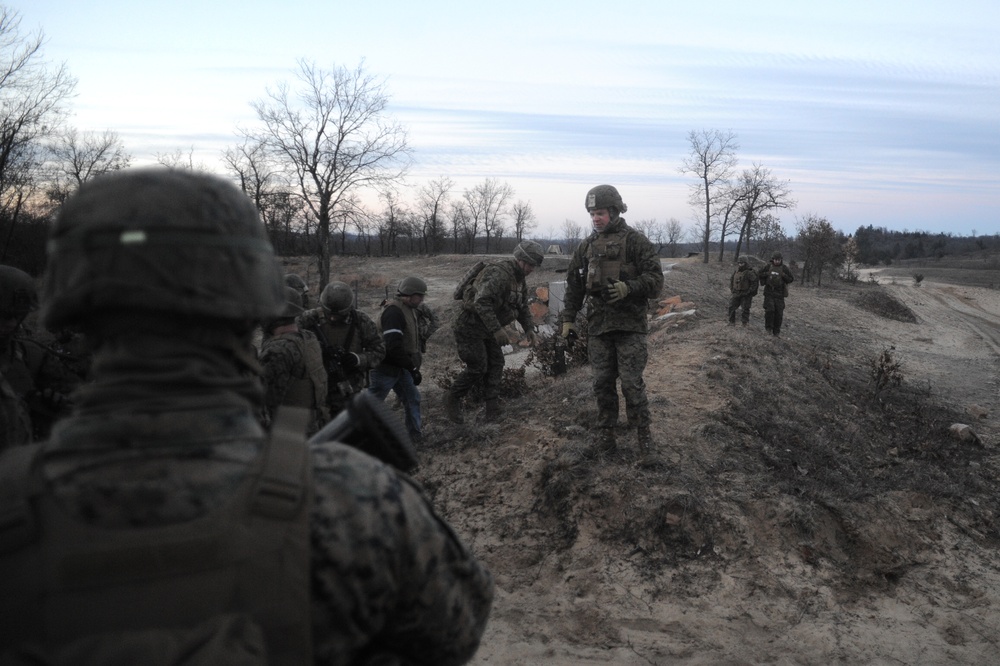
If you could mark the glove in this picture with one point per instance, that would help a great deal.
(350, 361)
(615, 290)
(417, 377)
(501, 337)
(569, 330)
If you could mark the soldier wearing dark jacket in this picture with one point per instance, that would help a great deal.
(399, 371)
(118, 527)
(743, 287)
(497, 297)
(775, 278)
(615, 270)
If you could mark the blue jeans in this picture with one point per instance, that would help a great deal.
(400, 382)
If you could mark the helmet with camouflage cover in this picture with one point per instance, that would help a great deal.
(337, 298)
(411, 285)
(295, 282)
(530, 252)
(776, 255)
(160, 241)
(605, 196)
(742, 261)
(18, 296)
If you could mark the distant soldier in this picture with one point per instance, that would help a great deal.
(350, 342)
(743, 287)
(615, 270)
(775, 277)
(34, 383)
(497, 296)
(292, 360)
(160, 523)
(399, 371)
(298, 284)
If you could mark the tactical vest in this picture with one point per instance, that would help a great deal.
(307, 389)
(119, 595)
(605, 258)
(411, 336)
(743, 281)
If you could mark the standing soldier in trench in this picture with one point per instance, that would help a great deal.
(497, 296)
(615, 270)
(350, 342)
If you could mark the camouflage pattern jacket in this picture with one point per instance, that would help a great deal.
(620, 253)
(390, 579)
(496, 297)
(294, 375)
(358, 333)
(743, 282)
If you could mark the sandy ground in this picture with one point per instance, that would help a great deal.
(748, 595)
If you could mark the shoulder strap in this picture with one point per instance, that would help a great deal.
(280, 488)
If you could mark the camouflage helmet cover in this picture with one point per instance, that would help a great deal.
(293, 302)
(776, 255)
(160, 240)
(337, 298)
(18, 296)
(295, 282)
(742, 261)
(530, 252)
(411, 285)
(605, 196)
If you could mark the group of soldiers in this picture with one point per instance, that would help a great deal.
(176, 510)
(744, 283)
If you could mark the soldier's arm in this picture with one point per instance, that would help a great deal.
(393, 325)
(787, 274)
(649, 282)
(390, 576)
(277, 359)
(573, 300)
(491, 292)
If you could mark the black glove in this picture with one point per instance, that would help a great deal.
(417, 377)
(350, 360)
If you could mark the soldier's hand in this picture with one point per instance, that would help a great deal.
(501, 337)
(568, 330)
(350, 361)
(532, 337)
(615, 290)
(417, 377)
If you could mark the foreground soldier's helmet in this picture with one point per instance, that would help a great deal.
(529, 251)
(161, 241)
(337, 298)
(18, 296)
(605, 196)
(411, 285)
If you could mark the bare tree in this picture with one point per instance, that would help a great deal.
(573, 233)
(76, 157)
(487, 204)
(524, 219)
(432, 201)
(331, 136)
(462, 229)
(712, 161)
(674, 233)
(32, 97)
(758, 191)
(820, 246)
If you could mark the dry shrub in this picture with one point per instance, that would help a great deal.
(884, 304)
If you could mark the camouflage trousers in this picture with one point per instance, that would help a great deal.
(737, 302)
(619, 356)
(484, 363)
(774, 313)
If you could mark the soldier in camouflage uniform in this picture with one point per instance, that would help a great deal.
(399, 371)
(292, 361)
(298, 284)
(743, 287)
(168, 272)
(498, 296)
(350, 342)
(775, 278)
(34, 384)
(427, 322)
(615, 270)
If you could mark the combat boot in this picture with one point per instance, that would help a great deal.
(606, 440)
(453, 407)
(494, 410)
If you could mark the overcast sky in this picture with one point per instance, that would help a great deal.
(880, 112)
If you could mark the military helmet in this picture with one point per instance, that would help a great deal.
(742, 261)
(160, 240)
(775, 255)
(530, 252)
(411, 285)
(605, 196)
(18, 296)
(295, 282)
(337, 298)
(293, 302)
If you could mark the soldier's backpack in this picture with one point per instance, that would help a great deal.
(231, 587)
(468, 279)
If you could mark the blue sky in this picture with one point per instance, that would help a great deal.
(884, 113)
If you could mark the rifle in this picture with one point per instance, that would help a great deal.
(337, 380)
(367, 424)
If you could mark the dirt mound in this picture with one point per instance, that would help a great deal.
(797, 512)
